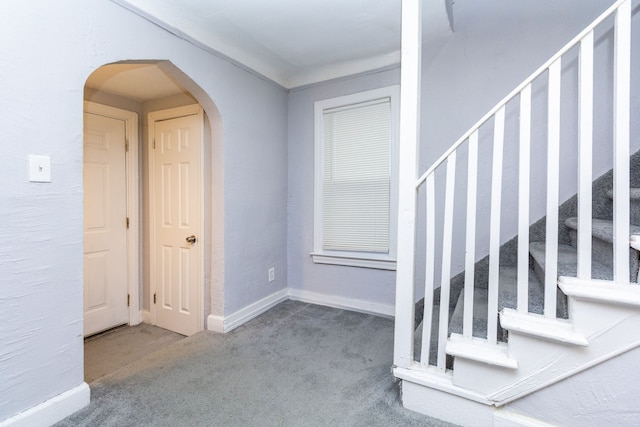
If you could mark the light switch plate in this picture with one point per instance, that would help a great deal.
(39, 168)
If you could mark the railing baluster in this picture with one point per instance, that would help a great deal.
(553, 171)
(445, 284)
(523, 200)
(585, 152)
(430, 268)
(403, 351)
(494, 238)
(470, 257)
(621, 105)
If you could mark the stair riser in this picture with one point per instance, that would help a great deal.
(634, 206)
(603, 252)
(561, 299)
(635, 212)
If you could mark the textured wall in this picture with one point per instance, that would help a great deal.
(48, 51)
(602, 395)
(363, 284)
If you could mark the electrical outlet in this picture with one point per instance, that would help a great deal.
(272, 274)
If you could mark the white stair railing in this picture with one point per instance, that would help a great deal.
(431, 184)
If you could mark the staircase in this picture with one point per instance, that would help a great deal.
(556, 300)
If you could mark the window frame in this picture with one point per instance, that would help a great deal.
(383, 261)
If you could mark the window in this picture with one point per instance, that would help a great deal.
(355, 179)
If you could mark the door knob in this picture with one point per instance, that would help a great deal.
(191, 239)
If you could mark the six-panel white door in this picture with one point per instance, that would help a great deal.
(105, 210)
(177, 210)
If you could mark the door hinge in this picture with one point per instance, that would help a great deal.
(128, 300)
(154, 298)
(154, 143)
(127, 222)
(126, 145)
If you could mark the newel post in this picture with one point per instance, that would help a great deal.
(407, 157)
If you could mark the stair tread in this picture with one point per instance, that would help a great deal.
(602, 291)
(634, 194)
(507, 298)
(601, 228)
(558, 330)
(480, 351)
(568, 261)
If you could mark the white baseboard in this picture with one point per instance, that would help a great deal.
(445, 406)
(146, 316)
(215, 323)
(228, 323)
(52, 410)
(352, 304)
(135, 317)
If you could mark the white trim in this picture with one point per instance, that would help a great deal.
(146, 316)
(539, 326)
(470, 245)
(153, 117)
(603, 291)
(621, 121)
(445, 275)
(445, 406)
(352, 304)
(350, 67)
(506, 418)
(585, 157)
(409, 124)
(353, 261)
(53, 410)
(354, 258)
(480, 350)
(433, 378)
(495, 224)
(224, 324)
(215, 323)
(130, 119)
(524, 185)
(553, 187)
(228, 323)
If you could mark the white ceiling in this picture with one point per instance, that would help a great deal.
(295, 42)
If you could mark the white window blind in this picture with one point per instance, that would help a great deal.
(357, 177)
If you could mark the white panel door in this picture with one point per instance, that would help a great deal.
(178, 222)
(105, 210)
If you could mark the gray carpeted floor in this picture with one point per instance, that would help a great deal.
(296, 365)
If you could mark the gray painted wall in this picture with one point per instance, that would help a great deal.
(48, 52)
(362, 284)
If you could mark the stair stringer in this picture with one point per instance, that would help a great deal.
(610, 327)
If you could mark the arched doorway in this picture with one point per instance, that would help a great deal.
(143, 88)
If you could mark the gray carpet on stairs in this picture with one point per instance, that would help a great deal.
(296, 365)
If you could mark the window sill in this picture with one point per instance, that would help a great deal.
(354, 261)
